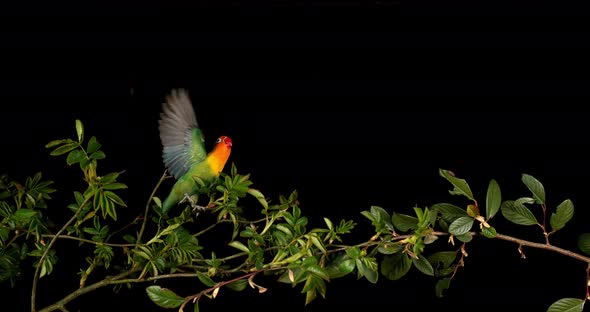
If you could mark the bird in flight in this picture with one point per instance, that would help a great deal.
(184, 153)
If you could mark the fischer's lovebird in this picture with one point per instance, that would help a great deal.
(184, 153)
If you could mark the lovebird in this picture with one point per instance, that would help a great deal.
(184, 153)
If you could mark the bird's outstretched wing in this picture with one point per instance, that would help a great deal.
(182, 140)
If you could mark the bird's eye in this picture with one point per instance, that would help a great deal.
(218, 140)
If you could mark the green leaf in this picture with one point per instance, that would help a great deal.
(535, 187)
(461, 226)
(525, 200)
(64, 149)
(518, 213)
(93, 145)
(389, 248)
(489, 232)
(465, 237)
(157, 201)
(368, 268)
(449, 212)
(441, 261)
(567, 305)
(395, 266)
(164, 297)
(57, 142)
(493, 199)
(97, 155)
(115, 198)
(318, 243)
(404, 222)
(259, 196)
(238, 285)
(75, 156)
(205, 279)
(114, 186)
(109, 177)
(563, 213)
(24, 215)
(422, 264)
(340, 266)
(461, 186)
(318, 271)
(239, 245)
(584, 243)
(79, 130)
(442, 284)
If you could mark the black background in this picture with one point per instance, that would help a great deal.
(351, 108)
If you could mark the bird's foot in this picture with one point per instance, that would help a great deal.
(197, 209)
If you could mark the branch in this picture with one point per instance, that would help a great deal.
(89, 241)
(544, 246)
(60, 305)
(44, 255)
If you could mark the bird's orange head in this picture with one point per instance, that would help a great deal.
(218, 157)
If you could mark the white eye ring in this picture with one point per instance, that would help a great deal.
(218, 140)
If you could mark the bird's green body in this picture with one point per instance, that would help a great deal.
(184, 151)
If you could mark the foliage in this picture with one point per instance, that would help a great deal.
(279, 241)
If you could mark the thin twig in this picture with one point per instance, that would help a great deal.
(44, 255)
(147, 207)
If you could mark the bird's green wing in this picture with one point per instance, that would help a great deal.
(182, 140)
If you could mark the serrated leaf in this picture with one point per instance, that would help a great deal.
(422, 264)
(518, 213)
(404, 222)
(584, 243)
(488, 232)
(563, 213)
(441, 285)
(493, 199)
(395, 266)
(567, 305)
(164, 297)
(79, 130)
(460, 185)
(461, 226)
(535, 187)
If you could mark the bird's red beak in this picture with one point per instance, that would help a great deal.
(228, 141)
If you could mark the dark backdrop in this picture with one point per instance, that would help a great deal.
(350, 114)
